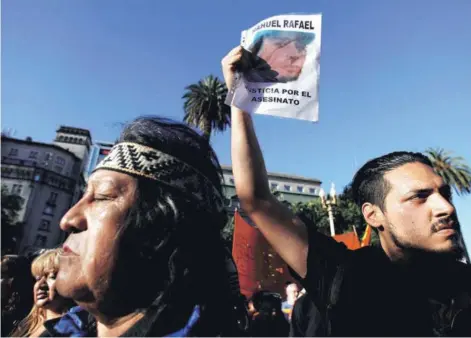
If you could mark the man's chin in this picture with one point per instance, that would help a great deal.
(450, 249)
(73, 288)
(65, 282)
(288, 78)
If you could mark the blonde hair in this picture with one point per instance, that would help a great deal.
(44, 264)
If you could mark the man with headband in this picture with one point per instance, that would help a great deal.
(144, 256)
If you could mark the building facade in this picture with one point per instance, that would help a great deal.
(288, 188)
(98, 152)
(49, 179)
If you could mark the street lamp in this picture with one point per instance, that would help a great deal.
(328, 203)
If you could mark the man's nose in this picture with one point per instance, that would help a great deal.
(441, 206)
(74, 220)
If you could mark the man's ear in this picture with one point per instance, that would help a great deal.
(373, 215)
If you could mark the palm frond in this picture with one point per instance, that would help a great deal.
(452, 169)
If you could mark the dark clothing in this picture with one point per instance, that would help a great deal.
(79, 323)
(305, 319)
(268, 325)
(379, 298)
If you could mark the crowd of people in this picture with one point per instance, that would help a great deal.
(145, 257)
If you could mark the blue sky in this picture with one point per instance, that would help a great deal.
(395, 75)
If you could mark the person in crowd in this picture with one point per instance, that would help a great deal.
(410, 286)
(48, 304)
(291, 290)
(17, 284)
(251, 308)
(145, 256)
(305, 318)
(268, 319)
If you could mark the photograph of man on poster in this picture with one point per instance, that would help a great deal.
(278, 56)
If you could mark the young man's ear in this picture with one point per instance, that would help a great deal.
(373, 215)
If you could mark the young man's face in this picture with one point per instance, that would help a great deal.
(285, 56)
(418, 211)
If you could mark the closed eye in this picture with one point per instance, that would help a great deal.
(100, 197)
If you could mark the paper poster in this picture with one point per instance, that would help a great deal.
(280, 73)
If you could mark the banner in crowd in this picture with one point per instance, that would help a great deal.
(260, 267)
(280, 72)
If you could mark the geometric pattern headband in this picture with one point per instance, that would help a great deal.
(142, 161)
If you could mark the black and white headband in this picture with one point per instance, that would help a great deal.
(143, 161)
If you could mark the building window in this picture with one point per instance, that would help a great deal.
(40, 241)
(58, 169)
(287, 187)
(274, 186)
(33, 154)
(13, 152)
(48, 156)
(312, 190)
(300, 188)
(45, 225)
(235, 203)
(52, 198)
(60, 160)
(37, 178)
(48, 210)
(16, 189)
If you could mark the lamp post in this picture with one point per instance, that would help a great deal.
(328, 203)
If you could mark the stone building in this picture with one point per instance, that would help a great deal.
(49, 178)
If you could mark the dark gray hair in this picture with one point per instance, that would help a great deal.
(171, 242)
(369, 185)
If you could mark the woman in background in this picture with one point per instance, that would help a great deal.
(48, 304)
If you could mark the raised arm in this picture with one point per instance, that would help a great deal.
(283, 230)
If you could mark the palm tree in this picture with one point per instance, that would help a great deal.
(204, 106)
(453, 169)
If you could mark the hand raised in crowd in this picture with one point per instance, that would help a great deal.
(229, 64)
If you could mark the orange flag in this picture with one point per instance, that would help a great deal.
(350, 239)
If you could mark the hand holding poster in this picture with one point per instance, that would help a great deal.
(280, 72)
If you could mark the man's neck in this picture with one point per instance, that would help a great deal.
(115, 327)
(415, 257)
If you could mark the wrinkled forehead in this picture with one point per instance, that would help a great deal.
(412, 176)
(110, 179)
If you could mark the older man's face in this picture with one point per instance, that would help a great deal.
(91, 252)
(285, 56)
